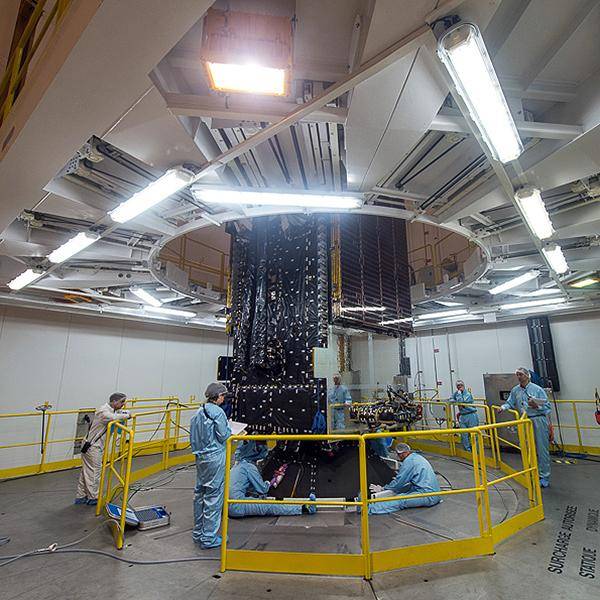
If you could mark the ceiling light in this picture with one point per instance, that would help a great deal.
(73, 246)
(364, 309)
(449, 303)
(584, 282)
(515, 282)
(250, 78)
(463, 53)
(146, 297)
(169, 311)
(534, 211)
(396, 321)
(531, 303)
(24, 279)
(213, 196)
(166, 185)
(443, 314)
(556, 259)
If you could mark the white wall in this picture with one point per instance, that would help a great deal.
(75, 361)
(469, 352)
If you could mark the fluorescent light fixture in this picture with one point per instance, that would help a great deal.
(534, 210)
(213, 196)
(556, 259)
(169, 311)
(364, 309)
(544, 292)
(73, 246)
(584, 282)
(532, 303)
(463, 53)
(397, 321)
(166, 185)
(249, 78)
(24, 279)
(449, 303)
(442, 314)
(515, 282)
(146, 297)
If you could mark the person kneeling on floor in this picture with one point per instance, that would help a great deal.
(415, 476)
(245, 480)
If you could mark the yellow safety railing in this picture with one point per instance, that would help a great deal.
(370, 561)
(575, 407)
(61, 421)
(116, 462)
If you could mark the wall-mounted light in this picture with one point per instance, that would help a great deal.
(533, 303)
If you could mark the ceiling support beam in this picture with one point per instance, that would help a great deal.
(550, 131)
(244, 109)
(557, 43)
(539, 90)
(506, 183)
(505, 19)
(408, 44)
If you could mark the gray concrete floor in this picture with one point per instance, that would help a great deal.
(37, 511)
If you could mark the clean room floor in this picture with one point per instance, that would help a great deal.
(37, 511)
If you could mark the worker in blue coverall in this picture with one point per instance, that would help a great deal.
(338, 394)
(209, 431)
(467, 415)
(415, 476)
(245, 478)
(532, 399)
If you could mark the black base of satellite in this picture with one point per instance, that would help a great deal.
(327, 470)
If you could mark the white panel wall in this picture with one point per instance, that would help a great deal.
(74, 361)
(469, 352)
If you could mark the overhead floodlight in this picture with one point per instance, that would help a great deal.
(24, 279)
(146, 297)
(585, 282)
(169, 311)
(328, 201)
(247, 52)
(556, 259)
(166, 185)
(531, 204)
(533, 303)
(515, 282)
(73, 246)
(463, 53)
(364, 309)
(397, 321)
(249, 78)
(442, 314)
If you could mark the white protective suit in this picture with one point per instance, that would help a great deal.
(91, 461)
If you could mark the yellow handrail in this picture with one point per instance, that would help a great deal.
(373, 561)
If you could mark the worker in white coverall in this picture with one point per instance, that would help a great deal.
(91, 452)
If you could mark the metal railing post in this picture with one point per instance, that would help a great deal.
(533, 463)
(477, 480)
(364, 515)
(166, 440)
(127, 434)
(450, 426)
(576, 419)
(526, 451)
(486, 493)
(45, 443)
(225, 517)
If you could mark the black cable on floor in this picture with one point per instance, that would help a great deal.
(47, 551)
(373, 590)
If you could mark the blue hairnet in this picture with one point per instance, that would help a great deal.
(250, 451)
